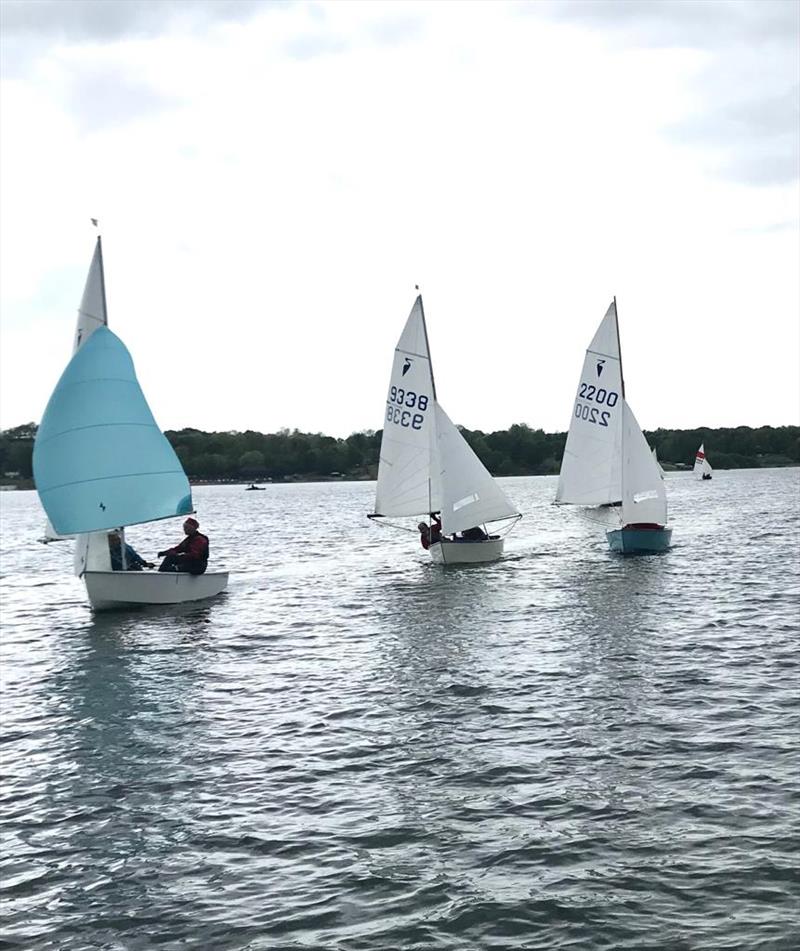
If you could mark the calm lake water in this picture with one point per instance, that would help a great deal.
(356, 750)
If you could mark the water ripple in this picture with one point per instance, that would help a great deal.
(355, 750)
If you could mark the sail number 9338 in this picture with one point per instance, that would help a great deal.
(599, 395)
(399, 408)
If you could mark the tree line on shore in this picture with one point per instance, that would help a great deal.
(519, 450)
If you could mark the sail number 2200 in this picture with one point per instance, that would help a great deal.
(600, 395)
(397, 413)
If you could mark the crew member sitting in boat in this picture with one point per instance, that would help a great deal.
(133, 561)
(475, 534)
(430, 534)
(191, 555)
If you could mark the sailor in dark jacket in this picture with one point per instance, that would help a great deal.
(191, 555)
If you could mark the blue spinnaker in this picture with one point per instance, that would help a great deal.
(99, 460)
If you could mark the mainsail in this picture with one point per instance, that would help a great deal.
(407, 472)
(99, 459)
(590, 468)
(91, 314)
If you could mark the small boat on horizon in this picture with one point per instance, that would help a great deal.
(702, 468)
(255, 488)
(607, 461)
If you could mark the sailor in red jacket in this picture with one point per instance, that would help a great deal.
(429, 535)
(191, 555)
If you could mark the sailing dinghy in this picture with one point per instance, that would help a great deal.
(607, 461)
(702, 468)
(100, 463)
(426, 465)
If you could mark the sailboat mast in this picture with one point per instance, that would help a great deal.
(102, 279)
(619, 347)
(427, 345)
(622, 427)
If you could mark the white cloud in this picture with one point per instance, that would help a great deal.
(271, 188)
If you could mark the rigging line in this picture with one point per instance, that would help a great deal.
(387, 524)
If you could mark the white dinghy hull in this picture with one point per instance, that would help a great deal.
(448, 552)
(113, 590)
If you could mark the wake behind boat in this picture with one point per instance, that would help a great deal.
(426, 465)
(100, 462)
(607, 461)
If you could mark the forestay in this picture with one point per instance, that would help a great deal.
(100, 460)
(590, 468)
(470, 496)
(644, 498)
(408, 471)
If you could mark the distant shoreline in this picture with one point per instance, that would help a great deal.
(27, 485)
(287, 456)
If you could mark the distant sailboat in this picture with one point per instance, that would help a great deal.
(100, 463)
(426, 465)
(702, 469)
(607, 461)
(655, 460)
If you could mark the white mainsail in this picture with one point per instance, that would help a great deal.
(701, 464)
(91, 314)
(469, 494)
(407, 470)
(590, 468)
(644, 498)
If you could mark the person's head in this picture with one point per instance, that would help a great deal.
(114, 539)
(423, 528)
(191, 525)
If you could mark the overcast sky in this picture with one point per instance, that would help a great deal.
(272, 180)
